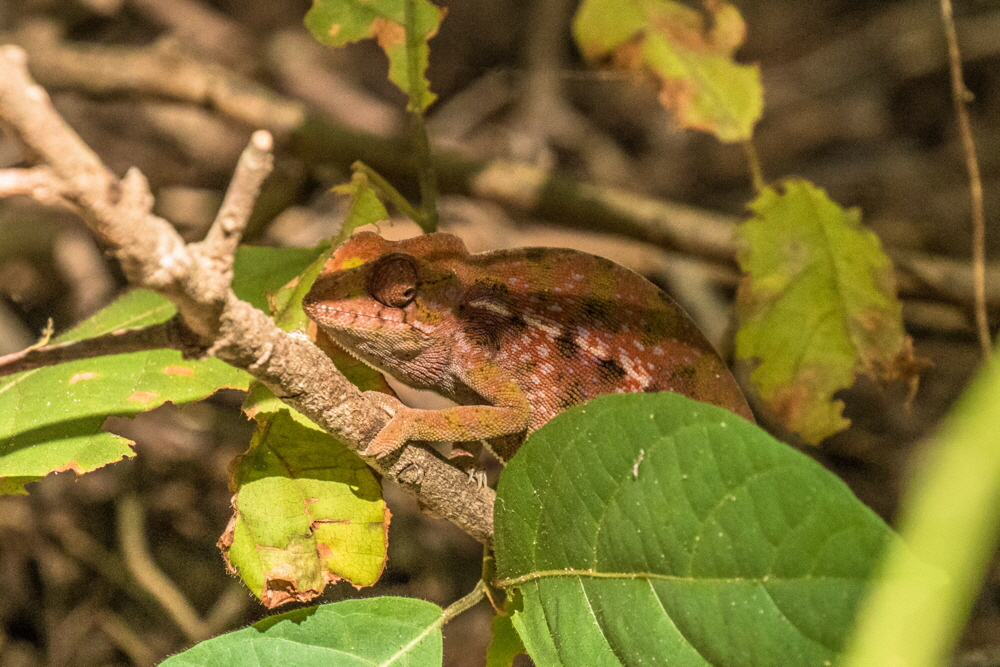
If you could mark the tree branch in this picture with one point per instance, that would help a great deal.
(537, 192)
(154, 256)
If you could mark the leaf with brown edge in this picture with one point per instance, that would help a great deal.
(307, 513)
(817, 306)
(51, 418)
(340, 22)
(690, 53)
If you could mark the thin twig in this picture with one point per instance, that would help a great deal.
(228, 608)
(132, 539)
(161, 70)
(960, 96)
(153, 337)
(418, 129)
(226, 231)
(38, 183)
(127, 639)
(753, 164)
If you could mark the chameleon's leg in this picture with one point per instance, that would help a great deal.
(462, 423)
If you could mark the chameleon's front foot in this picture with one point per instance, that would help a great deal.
(393, 435)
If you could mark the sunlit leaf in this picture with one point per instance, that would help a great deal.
(388, 631)
(650, 529)
(50, 418)
(307, 512)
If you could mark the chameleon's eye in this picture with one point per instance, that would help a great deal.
(392, 281)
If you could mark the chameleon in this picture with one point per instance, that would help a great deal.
(514, 337)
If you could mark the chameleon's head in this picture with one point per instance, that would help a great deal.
(387, 303)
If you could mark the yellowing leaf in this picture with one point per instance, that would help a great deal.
(816, 307)
(691, 57)
(307, 512)
(339, 22)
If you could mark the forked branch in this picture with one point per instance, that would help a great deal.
(196, 278)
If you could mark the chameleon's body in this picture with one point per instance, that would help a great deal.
(513, 336)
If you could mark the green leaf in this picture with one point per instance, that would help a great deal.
(817, 306)
(385, 631)
(259, 271)
(652, 529)
(699, 80)
(951, 520)
(50, 418)
(307, 512)
(340, 22)
(505, 645)
(365, 208)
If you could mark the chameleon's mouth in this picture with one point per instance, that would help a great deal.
(351, 317)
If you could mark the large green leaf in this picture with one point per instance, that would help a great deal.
(699, 80)
(340, 22)
(817, 306)
(649, 529)
(385, 631)
(50, 418)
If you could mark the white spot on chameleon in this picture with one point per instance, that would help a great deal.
(638, 374)
(538, 324)
(576, 276)
(546, 368)
(658, 351)
(491, 306)
(534, 378)
(599, 349)
(555, 309)
(639, 346)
